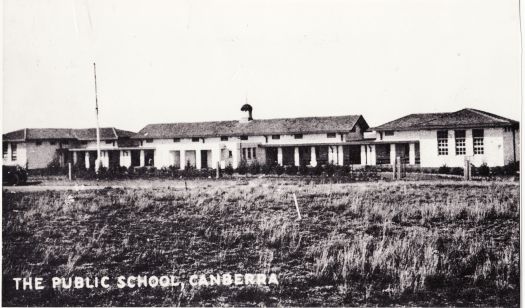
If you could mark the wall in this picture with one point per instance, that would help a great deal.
(164, 148)
(493, 146)
(21, 152)
(510, 146)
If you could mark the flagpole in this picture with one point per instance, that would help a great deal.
(97, 165)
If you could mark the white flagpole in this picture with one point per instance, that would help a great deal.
(98, 161)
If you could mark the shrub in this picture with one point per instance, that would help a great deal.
(330, 169)
(444, 169)
(267, 168)
(457, 171)
(291, 170)
(483, 170)
(317, 170)
(254, 168)
(243, 167)
(303, 168)
(228, 169)
(512, 168)
(278, 169)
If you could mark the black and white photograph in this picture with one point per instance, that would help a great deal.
(261, 153)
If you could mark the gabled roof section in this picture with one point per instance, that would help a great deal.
(17, 135)
(306, 125)
(464, 118)
(83, 134)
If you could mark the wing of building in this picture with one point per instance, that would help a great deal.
(426, 140)
(36, 148)
(437, 139)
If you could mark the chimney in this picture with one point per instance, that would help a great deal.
(247, 108)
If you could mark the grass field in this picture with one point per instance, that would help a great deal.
(385, 243)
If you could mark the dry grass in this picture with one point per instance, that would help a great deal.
(383, 243)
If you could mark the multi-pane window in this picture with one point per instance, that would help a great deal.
(477, 138)
(249, 153)
(330, 135)
(149, 140)
(195, 139)
(442, 139)
(224, 138)
(389, 133)
(244, 137)
(4, 150)
(176, 139)
(461, 148)
(13, 151)
(298, 136)
(276, 137)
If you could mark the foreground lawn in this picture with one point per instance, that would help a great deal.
(404, 243)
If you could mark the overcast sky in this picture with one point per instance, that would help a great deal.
(172, 61)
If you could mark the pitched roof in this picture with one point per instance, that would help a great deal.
(106, 133)
(464, 118)
(255, 127)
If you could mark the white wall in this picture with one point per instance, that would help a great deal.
(164, 147)
(21, 152)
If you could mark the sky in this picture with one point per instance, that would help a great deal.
(184, 61)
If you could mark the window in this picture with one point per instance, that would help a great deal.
(38, 143)
(477, 136)
(389, 133)
(244, 153)
(109, 142)
(254, 151)
(442, 139)
(52, 142)
(13, 151)
(195, 139)
(244, 137)
(461, 148)
(149, 140)
(298, 136)
(276, 137)
(224, 138)
(330, 135)
(230, 154)
(249, 153)
(4, 150)
(176, 139)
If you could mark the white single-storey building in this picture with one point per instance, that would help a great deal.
(438, 139)
(290, 141)
(424, 140)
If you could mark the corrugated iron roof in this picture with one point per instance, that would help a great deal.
(464, 118)
(306, 125)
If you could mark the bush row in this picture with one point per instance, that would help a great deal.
(255, 168)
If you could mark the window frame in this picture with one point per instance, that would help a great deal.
(442, 142)
(460, 142)
(14, 151)
(478, 141)
(5, 150)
